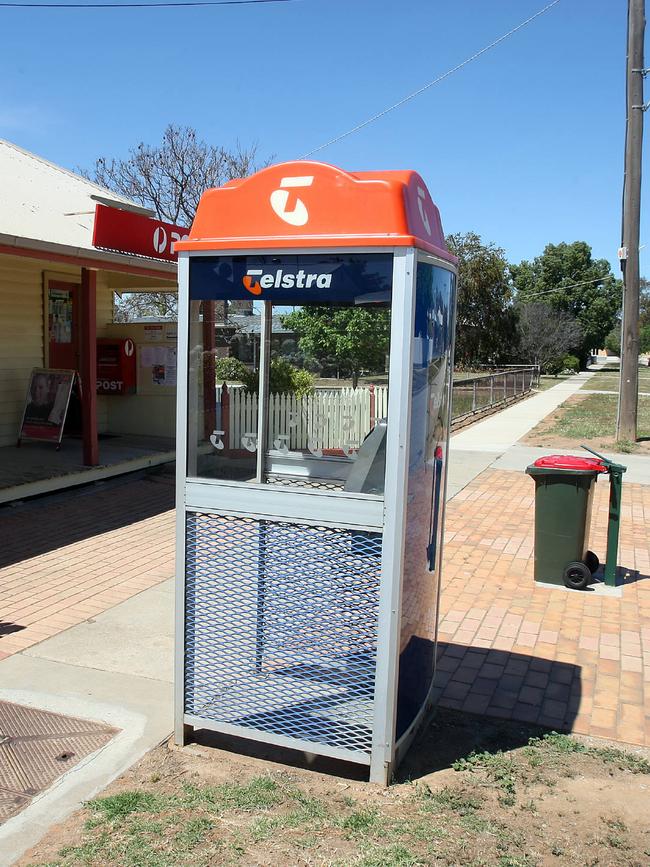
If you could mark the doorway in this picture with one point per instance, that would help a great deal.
(64, 349)
(63, 324)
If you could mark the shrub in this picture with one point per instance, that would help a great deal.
(570, 364)
(554, 366)
(231, 369)
(284, 378)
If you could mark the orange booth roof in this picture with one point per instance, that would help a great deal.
(311, 204)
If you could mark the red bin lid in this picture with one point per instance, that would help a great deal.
(569, 462)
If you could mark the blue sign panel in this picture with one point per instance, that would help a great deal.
(354, 278)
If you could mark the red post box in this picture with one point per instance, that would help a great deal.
(116, 366)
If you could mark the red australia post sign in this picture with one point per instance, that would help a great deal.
(127, 232)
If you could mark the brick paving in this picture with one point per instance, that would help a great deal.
(66, 558)
(570, 660)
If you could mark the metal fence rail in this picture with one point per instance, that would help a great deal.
(474, 395)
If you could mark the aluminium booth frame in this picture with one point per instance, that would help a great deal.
(385, 514)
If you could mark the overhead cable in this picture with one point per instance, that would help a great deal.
(155, 5)
(437, 80)
(526, 296)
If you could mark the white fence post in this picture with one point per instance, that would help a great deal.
(338, 418)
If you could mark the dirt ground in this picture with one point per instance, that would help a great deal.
(543, 434)
(471, 791)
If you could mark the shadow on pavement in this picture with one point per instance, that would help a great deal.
(52, 521)
(452, 735)
(484, 700)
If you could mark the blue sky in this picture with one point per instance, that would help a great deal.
(523, 146)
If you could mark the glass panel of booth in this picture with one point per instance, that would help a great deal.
(290, 351)
(432, 363)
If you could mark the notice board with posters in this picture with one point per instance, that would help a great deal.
(157, 368)
(46, 405)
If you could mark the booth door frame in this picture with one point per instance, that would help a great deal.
(381, 514)
(395, 750)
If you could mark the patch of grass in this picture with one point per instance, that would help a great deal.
(594, 417)
(361, 821)
(125, 803)
(516, 861)
(309, 813)
(546, 382)
(308, 808)
(194, 832)
(499, 768)
(135, 849)
(390, 856)
(617, 842)
(615, 824)
(448, 798)
(563, 744)
(276, 819)
(608, 380)
(261, 793)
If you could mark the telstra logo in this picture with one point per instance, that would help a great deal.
(255, 280)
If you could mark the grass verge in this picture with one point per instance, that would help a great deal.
(591, 420)
(489, 809)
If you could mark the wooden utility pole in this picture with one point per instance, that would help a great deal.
(626, 426)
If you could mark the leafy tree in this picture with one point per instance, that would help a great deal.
(355, 338)
(169, 178)
(613, 340)
(569, 279)
(644, 315)
(485, 321)
(644, 302)
(644, 339)
(545, 334)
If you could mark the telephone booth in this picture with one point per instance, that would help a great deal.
(310, 516)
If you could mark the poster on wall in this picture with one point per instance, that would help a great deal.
(162, 361)
(60, 316)
(46, 405)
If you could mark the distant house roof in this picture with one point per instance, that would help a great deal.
(44, 206)
(247, 324)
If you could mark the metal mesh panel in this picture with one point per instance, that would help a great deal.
(298, 482)
(281, 628)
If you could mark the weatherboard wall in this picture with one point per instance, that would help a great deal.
(23, 332)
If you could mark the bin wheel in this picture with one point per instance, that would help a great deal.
(577, 576)
(592, 562)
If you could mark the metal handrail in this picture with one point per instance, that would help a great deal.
(505, 384)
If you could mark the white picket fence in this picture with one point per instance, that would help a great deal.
(327, 419)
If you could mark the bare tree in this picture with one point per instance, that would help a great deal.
(546, 335)
(132, 306)
(170, 178)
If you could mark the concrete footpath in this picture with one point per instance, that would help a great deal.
(116, 669)
(116, 666)
(82, 579)
(475, 448)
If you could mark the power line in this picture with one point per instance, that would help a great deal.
(526, 296)
(431, 83)
(138, 5)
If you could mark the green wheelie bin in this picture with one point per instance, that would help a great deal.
(564, 488)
